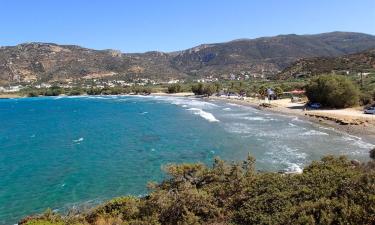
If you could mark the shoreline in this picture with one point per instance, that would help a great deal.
(365, 131)
(363, 128)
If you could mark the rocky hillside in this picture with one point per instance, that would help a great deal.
(51, 62)
(358, 62)
(268, 54)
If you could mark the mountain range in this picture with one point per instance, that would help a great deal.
(48, 62)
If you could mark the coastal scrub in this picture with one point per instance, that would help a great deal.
(333, 190)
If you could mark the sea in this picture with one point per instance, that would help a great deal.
(76, 152)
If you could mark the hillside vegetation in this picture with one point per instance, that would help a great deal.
(333, 190)
(47, 62)
(352, 63)
(333, 91)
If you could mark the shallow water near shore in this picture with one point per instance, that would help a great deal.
(59, 152)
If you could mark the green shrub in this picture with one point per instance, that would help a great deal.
(204, 89)
(333, 190)
(33, 94)
(54, 91)
(94, 91)
(366, 99)
(197, 89)
(174, 88)
(75, 91)
(279, 91)
(332, 91)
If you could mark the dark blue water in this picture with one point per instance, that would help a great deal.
(61, 152)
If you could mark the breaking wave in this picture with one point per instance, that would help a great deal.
(313, 132)
(206, 115)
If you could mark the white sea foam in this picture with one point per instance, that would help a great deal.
(357, 141)
(233, 104)
(77, 96)
(237, 115)
(143, 113)
(294, 168)
(227, 109)
(58, 97)
(313, 132)
(296, 119)
(78, 140)
(255, 118)
(188, 102)
(292, 124)
(206, 115)
(327, 128)
(96, 97)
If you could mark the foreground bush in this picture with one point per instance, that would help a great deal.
(333, 91)
(331, 191)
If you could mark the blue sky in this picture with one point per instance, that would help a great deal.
(168, 25)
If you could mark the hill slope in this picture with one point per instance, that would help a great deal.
(268, 55)
(358, 62)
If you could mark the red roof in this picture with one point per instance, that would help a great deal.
(297, 92)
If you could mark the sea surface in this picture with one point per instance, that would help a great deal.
(64, 152)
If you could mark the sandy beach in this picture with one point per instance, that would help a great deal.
(10, 95)
(352, 121)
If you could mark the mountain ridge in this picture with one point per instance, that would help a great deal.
(48, 62)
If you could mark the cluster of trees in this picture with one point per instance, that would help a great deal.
(52, 91)
(206, 89)
(333, 190)
(55, 91)
(334, 91)
(174, 88)
(119, 90)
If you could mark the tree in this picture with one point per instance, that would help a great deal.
(209, 89)
(94, 91)
(33, 94)
(262, 91)
(218, 86)
(278, 91)
(197, 89)
(75, 91)
(53, 91)
(334, 91)
(174, 88)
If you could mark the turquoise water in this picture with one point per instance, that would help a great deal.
(61, 152)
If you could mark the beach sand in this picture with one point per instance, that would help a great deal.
(9, 95)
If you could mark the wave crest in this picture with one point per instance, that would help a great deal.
(206, 115)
